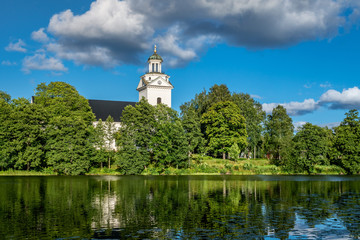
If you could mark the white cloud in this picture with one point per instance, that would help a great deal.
(325, 85)
(40, 36)
(347, 99)
(8, 63)
(255, 96)
(39, 61)
(299, 124)
(16, 47)
(120, 32)
(330, 125)
(293, 108)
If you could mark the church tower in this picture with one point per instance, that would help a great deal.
(155, 85)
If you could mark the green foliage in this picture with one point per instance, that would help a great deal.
(254, 116)
(150, 135)
(224, 126)
(278, 135)
(5, 96)
(306, 154)
(234, 152)
(346, 143)
(27, 135)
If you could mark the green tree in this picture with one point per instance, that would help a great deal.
(68, 146)
(5, 96)
(27, 129)
(134, 137)
(346, 143)
(69, 140)
(254, 117)
(224, 126)
(278, 135)
(99, 143)
(169, 145)
(192, 127)
(5, 124)
(311, 147)
(234, 152)
(110, 130)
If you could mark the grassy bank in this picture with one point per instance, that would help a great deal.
(199, 166)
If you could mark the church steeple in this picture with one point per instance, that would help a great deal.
(155, 62)
(155, 85)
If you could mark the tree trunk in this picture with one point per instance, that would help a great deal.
(28, 166)
(254, 152)
(224, 155)
(109, 162)
(101, 165)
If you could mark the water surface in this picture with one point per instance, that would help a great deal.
(180, 207)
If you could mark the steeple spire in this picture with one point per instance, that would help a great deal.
(155, 49)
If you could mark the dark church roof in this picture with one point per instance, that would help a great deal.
(102, 108)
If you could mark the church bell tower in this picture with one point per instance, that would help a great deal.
(155, 85)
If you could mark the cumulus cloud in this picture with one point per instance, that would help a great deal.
(347, 99)
(16, 46)
(332, 99)
(40, 36)
(121, 32)
(39, 61)
(294, 108)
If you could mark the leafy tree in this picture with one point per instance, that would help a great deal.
(234, 152)
(224, 126)
(68, 149)
(311, 147)
(134, 137)
(99, 143)
(192, 128)
(254, 116)
(109, 135)
(346, 143)
(27, 130)
(169, 141)
(69, 141)
(62, 99)
(150, 135)
(278, 135)
(5, 96)
(5, 123)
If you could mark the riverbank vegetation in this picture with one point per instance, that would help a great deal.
(217, 132)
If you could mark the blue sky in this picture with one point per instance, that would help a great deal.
(302, 54)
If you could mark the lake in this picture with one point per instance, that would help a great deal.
(180, 207)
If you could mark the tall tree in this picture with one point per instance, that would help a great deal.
(311, 147)
(110, 130)
(346, 143)
(5, 96)
(169, 141)
(192, 127)
(27, 134)
(134, 137)
(69, 142)
(5, 124)
(254, 117)
(224, 126)
(278, 135)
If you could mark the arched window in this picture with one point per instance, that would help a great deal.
(158, 100)
(157, 70)
(153, 67)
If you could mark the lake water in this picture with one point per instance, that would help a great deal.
(180, 207)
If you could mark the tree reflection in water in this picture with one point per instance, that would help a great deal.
(183, 207)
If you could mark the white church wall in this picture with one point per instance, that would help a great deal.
(155, 92)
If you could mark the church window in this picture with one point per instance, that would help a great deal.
(149, 78)
(158, 100)
(157, 68)
(153, 67)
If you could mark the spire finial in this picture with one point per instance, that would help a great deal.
(155, 49)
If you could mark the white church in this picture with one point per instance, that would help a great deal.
(154, 86)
